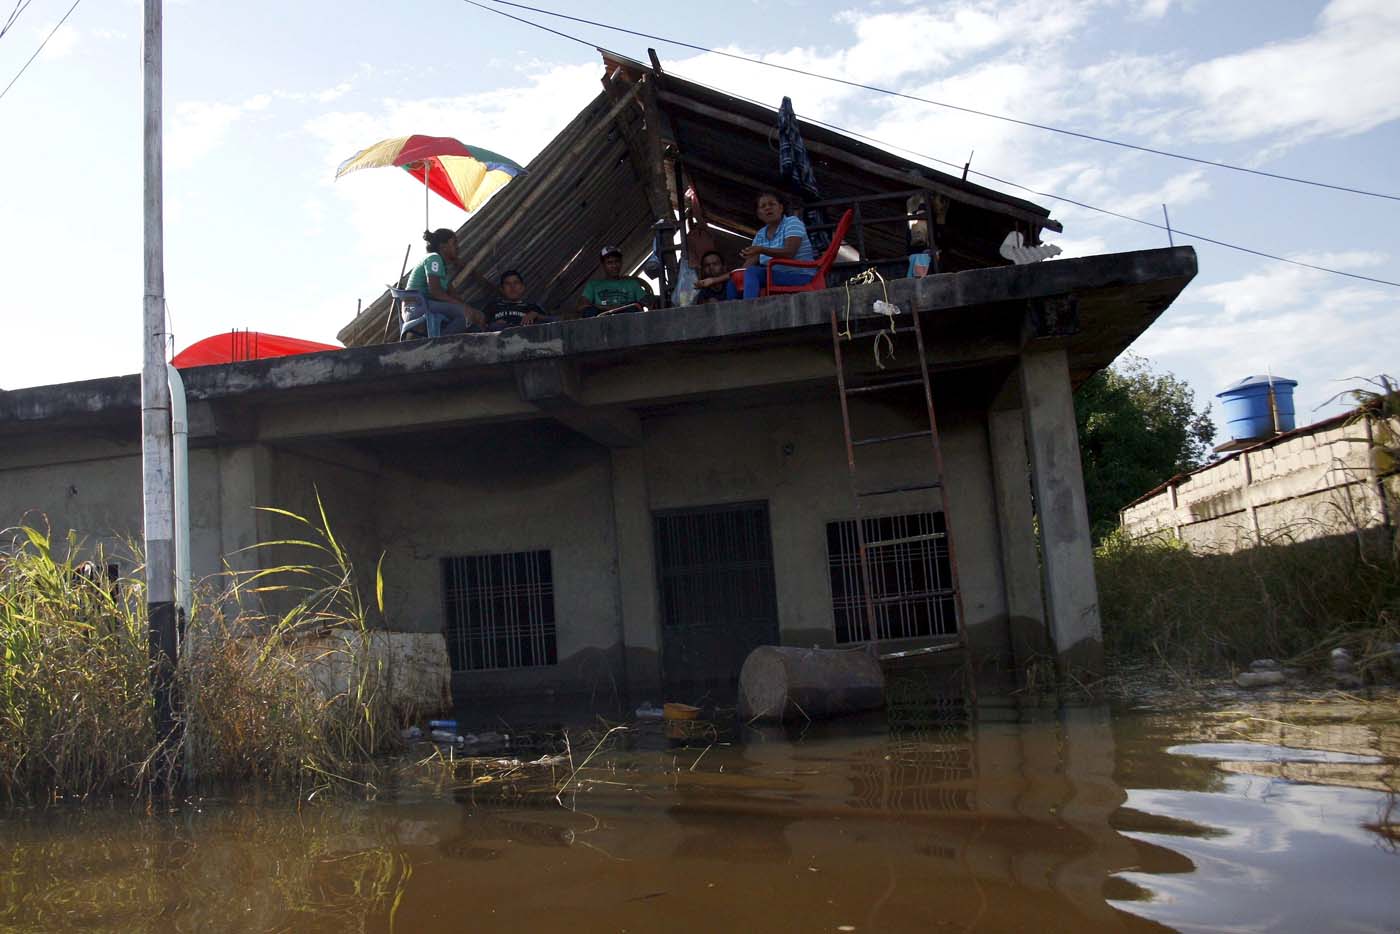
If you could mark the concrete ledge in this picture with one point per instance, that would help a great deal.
(804, 316)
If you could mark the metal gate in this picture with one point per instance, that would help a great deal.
(718, 600)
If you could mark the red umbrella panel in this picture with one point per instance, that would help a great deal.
(236, 346)
(462, 175)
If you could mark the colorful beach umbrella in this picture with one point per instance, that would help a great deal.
(464, 175)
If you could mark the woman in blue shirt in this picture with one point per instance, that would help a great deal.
(780, 237)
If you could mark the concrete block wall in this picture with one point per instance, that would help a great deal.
(1307, 485)
(793, 457)
(568, 496)
(511, 497)
(537, 485)
(98, 498)
(348, 491)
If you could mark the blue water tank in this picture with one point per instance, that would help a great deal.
(1245, 405)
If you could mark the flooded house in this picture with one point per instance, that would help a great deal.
(602, 511)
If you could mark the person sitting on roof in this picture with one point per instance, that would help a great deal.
(511, 310)
(430, 277)
(920, 259)
(712, 286)
(780, 237)
(614, 292)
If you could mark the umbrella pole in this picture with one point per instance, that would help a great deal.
(427, 172)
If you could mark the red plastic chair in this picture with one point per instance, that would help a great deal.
(818, 280)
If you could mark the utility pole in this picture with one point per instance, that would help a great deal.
(157, 481)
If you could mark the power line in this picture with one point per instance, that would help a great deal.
(40, 48)
(20, 6)
(924, 100)
(1040, 194)
(1090, 207)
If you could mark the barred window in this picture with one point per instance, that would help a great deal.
(500, 610)
(912, 580)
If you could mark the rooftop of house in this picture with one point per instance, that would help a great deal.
(626, 160)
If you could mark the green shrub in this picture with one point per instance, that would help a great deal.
(1294, 601)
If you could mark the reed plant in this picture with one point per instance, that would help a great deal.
(74, 688)
(300, 696)
(297, 698)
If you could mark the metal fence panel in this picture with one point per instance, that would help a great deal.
(912, 581)
(500, 610)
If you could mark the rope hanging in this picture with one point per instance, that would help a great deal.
(885, 307)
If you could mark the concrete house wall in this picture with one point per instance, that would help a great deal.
(535, 485)
(572, 437)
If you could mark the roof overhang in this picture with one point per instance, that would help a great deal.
(1093, 306)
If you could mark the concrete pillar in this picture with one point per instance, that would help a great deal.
(245, 482)
(1025, 609)
(1066, 549)
(636, 573)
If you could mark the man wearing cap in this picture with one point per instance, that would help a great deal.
(614, 292)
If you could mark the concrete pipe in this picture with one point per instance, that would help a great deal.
(790, 683)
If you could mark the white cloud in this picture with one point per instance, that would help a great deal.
(1072, 247)
(323, 96)
(1177, 190)
(1295, 322)
(889, 45)
(63, 42)
(382, 210)
(197, 128)
(1153, 9)
(1339, 80)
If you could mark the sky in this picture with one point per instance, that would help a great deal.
(264, 99)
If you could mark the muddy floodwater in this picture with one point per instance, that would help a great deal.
(1249, 818)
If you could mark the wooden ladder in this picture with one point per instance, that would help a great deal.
(865, 498)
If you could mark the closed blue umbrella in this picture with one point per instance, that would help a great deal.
(794, 165)
(795, 168)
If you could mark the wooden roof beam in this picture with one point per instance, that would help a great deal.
(706, 167)
(644, 143)
(539, 184)
(911, 179)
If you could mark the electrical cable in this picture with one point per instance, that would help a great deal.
(26, 65)
(1040, 194)
(1081, 204)
(924, 100)
(20, 7)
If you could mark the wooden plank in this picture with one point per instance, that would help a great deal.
(657, 180)
(711, 168)
(865, 165)
(561, 164)
(638, 147)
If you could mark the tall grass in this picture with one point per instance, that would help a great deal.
(74, 690)
(297, 699)
(1292, 600)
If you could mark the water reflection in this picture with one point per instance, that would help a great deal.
(207, 869)
(1287, 838)
(1052, 821)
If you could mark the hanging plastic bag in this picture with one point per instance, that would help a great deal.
(684, 293)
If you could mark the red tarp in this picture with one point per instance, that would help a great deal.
(244, 345)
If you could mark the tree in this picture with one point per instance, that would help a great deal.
(1138, 428)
